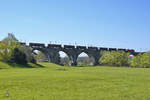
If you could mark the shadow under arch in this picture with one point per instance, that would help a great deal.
(85, 59)
(64, 58)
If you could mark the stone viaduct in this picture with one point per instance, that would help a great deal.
(52, 51)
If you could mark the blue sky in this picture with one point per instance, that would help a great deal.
(107, 23)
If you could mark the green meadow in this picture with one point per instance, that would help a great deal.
(48, 81)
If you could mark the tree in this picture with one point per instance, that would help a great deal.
(18, 57)
(65, 61)
(115, 58)
(141, 60)
(6, 49)
(7, 46)
(41, 57)
(145, 60)
(28, 51)
(85, 61)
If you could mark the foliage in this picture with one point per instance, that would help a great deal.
(41, 57)
(6, 49)
(115, 58)
(65, 61)
(141, 60)
(18, 57)
(7, 45)
(33, 60)
(30, 56)
(85, 61)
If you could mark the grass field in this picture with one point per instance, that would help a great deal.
(53, 82)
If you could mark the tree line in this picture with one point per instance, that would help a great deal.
(121, 58)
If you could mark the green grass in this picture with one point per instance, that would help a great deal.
(4, 65)
(53, 82)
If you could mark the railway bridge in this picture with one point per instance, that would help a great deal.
(52, 51)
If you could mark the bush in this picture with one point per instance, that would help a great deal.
(33, 60)
(6, 49)
(115, 58)
(141, 60)
(18, 57)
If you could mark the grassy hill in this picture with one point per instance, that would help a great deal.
(4, 65)
(53, 82)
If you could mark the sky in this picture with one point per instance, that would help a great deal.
(102, 23)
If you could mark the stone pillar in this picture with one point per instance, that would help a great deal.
(96, 61)
(74, 59)
(96, 58)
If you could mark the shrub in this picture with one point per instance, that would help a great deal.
(141, 60)
(29, 54)
(115, 58)
(6, 49)
(18, 57)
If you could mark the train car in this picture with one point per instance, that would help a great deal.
(103, 49)
(93, 48)
(36, 45)
(69, 47)
(130, 50)
(22, 43)
(112, 49)
(54, 45)
(81, 47)
(122, 50)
